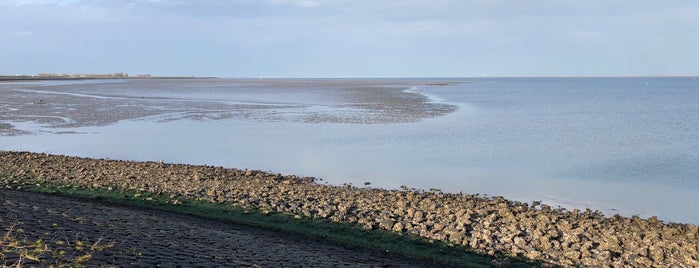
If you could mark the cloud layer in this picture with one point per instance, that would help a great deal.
(350, 38)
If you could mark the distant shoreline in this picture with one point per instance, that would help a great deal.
(5, 78)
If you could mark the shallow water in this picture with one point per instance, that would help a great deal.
(621, 145)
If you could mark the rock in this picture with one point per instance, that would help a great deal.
(398, 227)
(520, 242)
(386, 224)
(417, 216)
(610, 243)
(545, 243)
(437, 227)
(455, 236)
(209, 191)
(307, 212)
(474, 243)
(643, 261)
(589, 262)
(573, 255)
(657, 253)
(604, 256)
(534, 254)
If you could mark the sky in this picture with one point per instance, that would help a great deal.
(350, 38)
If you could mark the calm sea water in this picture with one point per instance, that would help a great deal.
(621, 145)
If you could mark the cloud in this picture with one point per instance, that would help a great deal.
(44, 2)
(346, 36)
(300, 3)
(22, 33)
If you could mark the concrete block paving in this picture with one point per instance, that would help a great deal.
(117, 235)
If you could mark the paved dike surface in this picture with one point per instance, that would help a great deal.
(148, 238)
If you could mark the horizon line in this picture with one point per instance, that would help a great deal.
(473, 76)
(367, 77)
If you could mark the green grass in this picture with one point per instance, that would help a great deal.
(432, 253)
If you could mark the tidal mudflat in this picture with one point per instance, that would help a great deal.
(620, 145)
(63, 104)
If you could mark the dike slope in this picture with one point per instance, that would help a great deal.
(85, 233)
(487, 225)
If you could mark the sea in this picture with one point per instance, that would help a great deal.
(621, 145)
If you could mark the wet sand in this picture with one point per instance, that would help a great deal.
(64, 104)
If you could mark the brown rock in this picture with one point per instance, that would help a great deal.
(398, 227)
(455, 236)
(657, 253)
(534, 254)
(387, 224)
(437, 227)
(520, 242)
(573, 255)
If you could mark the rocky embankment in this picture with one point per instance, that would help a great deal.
(488, 225)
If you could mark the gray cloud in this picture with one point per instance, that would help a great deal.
(352, 38)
